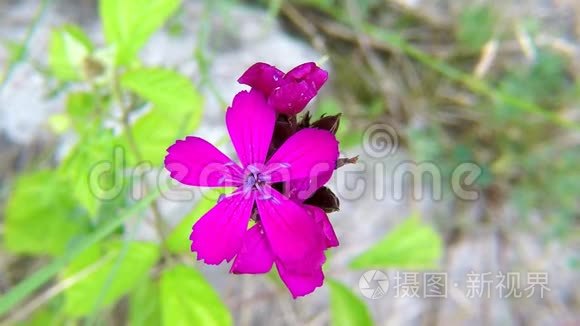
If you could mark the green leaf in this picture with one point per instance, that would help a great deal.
(95, 170)
(80, 106)
(128, 24)
(33, 282)
(43, 317)
(130, 266)
(69, 47)
(187, 299)
(475, 27)
(176, 112)
(144, 305)
(178, 240)
(41, 215)
(411, 245)
(345, 307)
(163, 87)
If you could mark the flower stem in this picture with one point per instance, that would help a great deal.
(134, 147)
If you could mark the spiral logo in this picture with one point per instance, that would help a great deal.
(380, 140)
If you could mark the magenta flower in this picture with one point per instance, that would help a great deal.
(256, 255)
(288, 93)
(286, 231)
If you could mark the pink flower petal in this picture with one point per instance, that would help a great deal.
(308, 154)
(317, 78)
(219, 233)
(250, 123)
(292, 234)
(300, 72)
(309, 72)
(195, 162)
(302, 189)
(306, 265)
(301, 284)
(255, 257)
(298, 87)
(262, 77)
(320, 217)
(292, 98)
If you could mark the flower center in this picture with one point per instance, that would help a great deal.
(254, 178)
(257, 178)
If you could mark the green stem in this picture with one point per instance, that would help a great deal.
(22, 52)
(134, 147)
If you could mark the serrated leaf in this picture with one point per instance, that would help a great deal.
(176, 112)
(144, 305)
(178, 240)
(129, 266)
(411, 245)
(42, 216)
(187, 299)
(69, 47)
(128, 24)
(345, 307)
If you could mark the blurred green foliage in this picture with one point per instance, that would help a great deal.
(106, 272)
(57, 213)
(475, 27)
(66, 212)
(127, 25)
(347, 309)
(69, 46)
(175, 109)
(42, 217)
(544, 82)
(145, 304)
(410, 245)
(178, 240)
(93, 148)
(187, 299)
